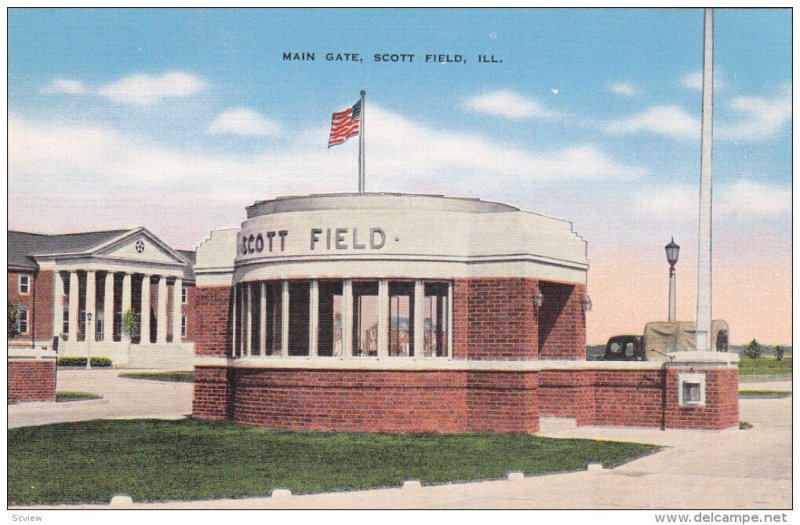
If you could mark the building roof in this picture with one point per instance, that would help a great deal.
(407, 202)
(23, 245)
(191, 256)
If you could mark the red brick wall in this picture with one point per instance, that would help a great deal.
(38, 301)
(212, 311)
(722, 401)
(494, 319)
(628, 397)
(562, 322)
(502, 402)
(31, 380)
(637, 398)
(374, 400)
(212, 396)
(188, 310)
(567, 393)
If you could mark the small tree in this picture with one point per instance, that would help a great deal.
(13, 310)
(779, 351)
(130, 323)
(753, 350)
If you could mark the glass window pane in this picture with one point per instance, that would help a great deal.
(401, 319)
(299, 295)
(436, 320)
(273, 335)
(365, 318)
(329, 334)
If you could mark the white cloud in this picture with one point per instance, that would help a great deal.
(745, 199)
(148, 90)
(672, 121)
(624, 89)
(504, 103)
(761, 117)
(694, 80)
(748, 198)
(243, 121)
(66, 86)
(80, 158)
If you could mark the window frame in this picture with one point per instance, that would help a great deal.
(27, 278)
(184, 294)
(23, 310)
(692, 378)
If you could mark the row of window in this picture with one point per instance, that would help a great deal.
(335, 318)
(24, 286)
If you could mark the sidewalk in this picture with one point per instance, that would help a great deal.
(122, 398)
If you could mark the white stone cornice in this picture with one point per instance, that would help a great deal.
(407, 363)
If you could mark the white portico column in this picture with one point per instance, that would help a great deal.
(284, 318)
(176, 309)
(347, 318)
(313, 319)
(419, 318)
(108, 308)
(58, 304)
(144, 322)
(383, 318)
(91, 308)
(73, 306)
(248, 350)
(262, 322)
(161, 311)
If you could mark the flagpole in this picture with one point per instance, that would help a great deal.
(703, 321)
(361, 165)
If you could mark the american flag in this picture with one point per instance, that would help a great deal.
(345, 124)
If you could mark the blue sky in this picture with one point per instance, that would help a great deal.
(177, 119)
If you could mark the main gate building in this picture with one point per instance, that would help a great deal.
(392, 312)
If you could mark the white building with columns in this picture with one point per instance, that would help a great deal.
(72, 291)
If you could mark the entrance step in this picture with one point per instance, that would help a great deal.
(170, 357)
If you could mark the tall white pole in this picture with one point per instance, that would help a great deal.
(704, 235)
(362, 180)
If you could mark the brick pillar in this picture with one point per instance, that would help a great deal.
(213, 311)
(212, 396)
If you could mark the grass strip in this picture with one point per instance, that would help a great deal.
(175, 377)
(155, 460)
(764, 394)
(75, 396)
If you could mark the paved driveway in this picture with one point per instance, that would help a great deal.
(122, 398)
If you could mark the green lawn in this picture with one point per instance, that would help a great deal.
(764, 366)
(180, 377)
(192, 459)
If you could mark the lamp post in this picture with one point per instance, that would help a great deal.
(672, 250)
(88, 341)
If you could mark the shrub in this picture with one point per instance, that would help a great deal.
(753, 350)
(81, 361)
(779, 351)
(130, 324)
(13, 309)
